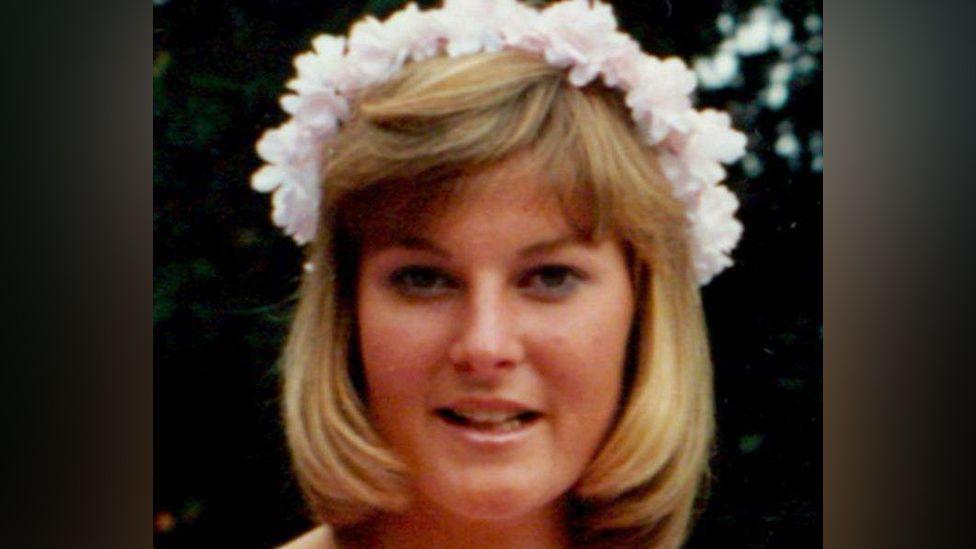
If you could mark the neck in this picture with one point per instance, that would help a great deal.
(427, 526)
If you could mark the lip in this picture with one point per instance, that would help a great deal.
(488, 440)
(489, 404)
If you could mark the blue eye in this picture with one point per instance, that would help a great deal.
(421, 281)
(551, 282)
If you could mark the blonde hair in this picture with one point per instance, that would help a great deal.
(399, 158)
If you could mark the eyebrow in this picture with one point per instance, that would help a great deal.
(547, 246)
(419, 243)
(538, 248)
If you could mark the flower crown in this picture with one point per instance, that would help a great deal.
(576, 35)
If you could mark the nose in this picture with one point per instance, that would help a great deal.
(487, 342)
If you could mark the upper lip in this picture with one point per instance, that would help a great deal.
(488, 405)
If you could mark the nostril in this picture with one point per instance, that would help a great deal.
(472, 353)
(469, 357)
(482, 364)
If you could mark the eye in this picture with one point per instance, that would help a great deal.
(421, 281)
(551, 282)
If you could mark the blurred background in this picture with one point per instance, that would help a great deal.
(224, 279)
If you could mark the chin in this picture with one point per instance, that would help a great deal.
(496, 506)
(495, 500)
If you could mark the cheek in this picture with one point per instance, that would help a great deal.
(590, 343)
(586, 344)
(400, 348)
(582, 355)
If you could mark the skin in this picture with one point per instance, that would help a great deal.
(497, 299)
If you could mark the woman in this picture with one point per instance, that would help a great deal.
(499, 339)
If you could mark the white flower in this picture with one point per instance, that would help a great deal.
(321, 68)
(660, 100)
(578, 35)
(295, 209)
(320, 110)
(715, 231)
(693, 160)
(522, 29)
(473, 26)
(712, 136)
(413, 34)
(683, 183)
(293, 156)
(621, 70)
(582, 36)
(375, 53)
(280, 145)
(268, 178)
(320, 73)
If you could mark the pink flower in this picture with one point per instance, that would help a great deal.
(375, 53)
(294, 157)
(412, 34)
(675, 168)
(295, 210)
(715, 231)
(321, 111)
(280, 145)
(583, 37)
(696, 156)
(660, 99)
(379, 49)
(320, 69)
(712, 136)
(478, 25)
(693, 160)
(578, 35)
(620, 70)
(522, 30)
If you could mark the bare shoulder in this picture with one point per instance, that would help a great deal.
(319, 537)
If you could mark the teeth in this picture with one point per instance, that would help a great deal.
(510, 425)
(489, 416)
(498, 421)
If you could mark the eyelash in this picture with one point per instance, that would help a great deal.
(434, 282)
(569, 279)
(419, 281)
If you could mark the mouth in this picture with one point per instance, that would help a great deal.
(488, 421)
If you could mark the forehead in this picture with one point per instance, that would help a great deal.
(503, 191)
(514, 193)
(511, 216)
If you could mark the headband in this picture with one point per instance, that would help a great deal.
(576, 35)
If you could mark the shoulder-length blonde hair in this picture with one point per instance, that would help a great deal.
(408, 144)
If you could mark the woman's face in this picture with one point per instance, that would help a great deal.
(493, 345)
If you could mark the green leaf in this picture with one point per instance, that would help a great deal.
(750, 443)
